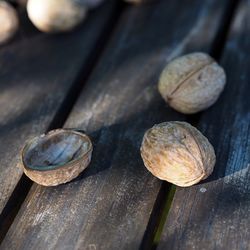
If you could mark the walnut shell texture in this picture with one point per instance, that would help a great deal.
(178, 153)
(56, 157)
(54, 15)
(192, 82)
(9, 22)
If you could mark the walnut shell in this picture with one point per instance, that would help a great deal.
(9, 22)
(178, 153)
(55, 15)
(56, 157)
(192, 83)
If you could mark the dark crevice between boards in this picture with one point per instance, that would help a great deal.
(223, 30)
(165, 196)
(24, 184)
(158, 216)
(13, 205)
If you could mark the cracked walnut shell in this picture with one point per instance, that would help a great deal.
(56, 157)
(192, 82)
(178, 153)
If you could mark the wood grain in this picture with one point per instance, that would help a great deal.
(216, 213)
(109, 205)
(36, 75)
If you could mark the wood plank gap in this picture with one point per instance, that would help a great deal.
(158, 216)
(13, 205)
(24, 184)
(224, 28)
(167, 191)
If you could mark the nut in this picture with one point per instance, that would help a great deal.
(8, 22)
(56, 157)
(178, 153)
(138, 1)
(54, 15)
(192, 83)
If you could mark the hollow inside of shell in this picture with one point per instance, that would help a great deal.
(54, 150)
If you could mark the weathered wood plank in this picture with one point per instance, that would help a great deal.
(35, 77)
(109, 205)
(216, 213)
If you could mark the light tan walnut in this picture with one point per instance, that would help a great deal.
(192, 82)
(9, 22)
(55, 15)
(178, 153)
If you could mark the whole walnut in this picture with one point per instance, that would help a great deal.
(192, 82)
(55, 15)
(9, 22)
(178, 153)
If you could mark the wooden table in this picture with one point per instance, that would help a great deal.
(102, 78)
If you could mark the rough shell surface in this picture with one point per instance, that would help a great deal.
(178, 153)
(56, 157)
(8, 22)
(192, 83)
(54, 15)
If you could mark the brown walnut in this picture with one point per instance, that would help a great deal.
(192, 82)
(178, 153)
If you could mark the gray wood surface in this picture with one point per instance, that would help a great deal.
(35, 77)
(216, 213)
(109, 205)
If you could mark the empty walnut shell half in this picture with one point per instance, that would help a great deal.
(178, 153)
(56, 157)
(192, 82)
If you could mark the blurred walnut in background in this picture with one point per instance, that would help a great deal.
(55, 16)
(8, 22)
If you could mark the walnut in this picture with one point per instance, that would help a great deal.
(178, 153)
(54, 15)
(9, 22)
(56, 157)
(192, 83)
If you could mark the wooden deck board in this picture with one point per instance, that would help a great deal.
(35, 77)
(109, 205)
(216, 213)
